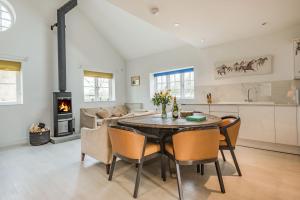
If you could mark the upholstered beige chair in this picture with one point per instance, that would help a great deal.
(195, 146)
(96, 143)
(132, 146)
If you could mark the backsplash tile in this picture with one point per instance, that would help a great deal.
(280, 92)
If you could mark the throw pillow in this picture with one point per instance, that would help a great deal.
(119, 111)
(103, 113)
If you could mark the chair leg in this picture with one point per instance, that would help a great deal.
(179, 183)
(163, 168)
(107, 168)
(198, 168)
(202, 169)
(137, 181)
(220, 176)
(235, 162)
(82, 157)
(223, 156)
(112, 168)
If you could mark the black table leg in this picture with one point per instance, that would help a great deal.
(163, 162)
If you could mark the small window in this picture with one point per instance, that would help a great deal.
(10, 83)
(98, 86)
(7, 15)
(180, 82)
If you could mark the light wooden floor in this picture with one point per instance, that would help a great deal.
(55, 172)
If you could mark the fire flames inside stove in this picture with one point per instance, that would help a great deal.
(64, 106)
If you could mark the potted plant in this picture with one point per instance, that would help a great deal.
(162, 98)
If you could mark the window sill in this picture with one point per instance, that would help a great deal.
(10, 104)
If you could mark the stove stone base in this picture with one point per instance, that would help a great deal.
(57, 140)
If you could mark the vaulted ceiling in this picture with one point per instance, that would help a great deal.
(212, 22)
(131, 28)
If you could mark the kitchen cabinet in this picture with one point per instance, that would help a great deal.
(257, 123)
(224, 110)
(297, 58)
(298, 124)
(286, 125)
(222, 114)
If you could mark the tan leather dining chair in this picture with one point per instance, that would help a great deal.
(195, 146)
(131, 145)
(229, 128)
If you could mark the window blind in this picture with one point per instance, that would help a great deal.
(98, 74)
(173, 72)
(10, 65)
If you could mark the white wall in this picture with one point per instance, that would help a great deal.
(279, 45)
(31, 37)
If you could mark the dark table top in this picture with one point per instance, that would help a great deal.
(155, 121)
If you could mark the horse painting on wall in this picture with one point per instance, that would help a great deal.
(244, 67)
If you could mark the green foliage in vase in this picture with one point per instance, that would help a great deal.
(162, 97)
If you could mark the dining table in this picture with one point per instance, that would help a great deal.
(163, 128)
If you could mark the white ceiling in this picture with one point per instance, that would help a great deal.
(131, 36)
(216, 21)
(135, 32)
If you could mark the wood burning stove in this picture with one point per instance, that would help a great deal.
(62, 100)
(63, 116)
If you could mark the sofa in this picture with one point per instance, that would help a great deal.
(95, 140)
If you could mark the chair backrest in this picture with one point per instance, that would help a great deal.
(232, 125)
(126, 142)
(196, 144)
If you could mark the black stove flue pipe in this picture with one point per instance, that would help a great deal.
(61, 37)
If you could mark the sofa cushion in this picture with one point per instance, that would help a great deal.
(92, 111)
(119, 111)
(104, 113)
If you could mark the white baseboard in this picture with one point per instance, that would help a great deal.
(14, 143)
(269, 146)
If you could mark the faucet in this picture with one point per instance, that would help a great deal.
(248, 97)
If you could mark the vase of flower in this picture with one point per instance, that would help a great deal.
(162, 98)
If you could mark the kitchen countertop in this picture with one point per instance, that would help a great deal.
(244, 103)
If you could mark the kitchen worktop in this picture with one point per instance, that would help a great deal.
(255, 103)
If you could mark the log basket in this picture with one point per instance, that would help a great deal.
(37, 139)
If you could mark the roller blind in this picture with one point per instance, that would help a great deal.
(174, 72)
(10, 65)
(98, 74)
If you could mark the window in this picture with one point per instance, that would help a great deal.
(98, 86)
(7, 15)
(180, 82)
(10, 82)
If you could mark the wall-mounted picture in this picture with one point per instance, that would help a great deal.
(244, 67)
(135, 80)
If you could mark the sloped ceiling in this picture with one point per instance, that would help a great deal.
(131, 36)
(216, 21)
(134, 32)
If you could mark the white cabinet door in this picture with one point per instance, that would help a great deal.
(257, 123)
(222, 114)
(286, 125)
(224, 110)
(297, 58)
(298, 124)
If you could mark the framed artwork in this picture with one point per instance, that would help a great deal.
(244, 67)
(135, 80)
